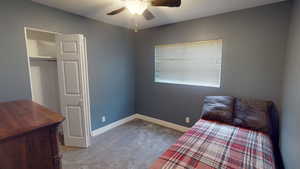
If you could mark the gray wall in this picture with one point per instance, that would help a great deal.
(253, 56)
(290, 133)
(110, 57)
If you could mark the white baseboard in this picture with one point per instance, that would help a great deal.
(141, 117)
(162, 123)
(112, 125)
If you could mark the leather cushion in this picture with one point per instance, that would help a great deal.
(252, 114)
(218, 108)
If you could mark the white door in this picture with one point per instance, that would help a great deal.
(73, 84)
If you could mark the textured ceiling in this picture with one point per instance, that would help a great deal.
(190, 9)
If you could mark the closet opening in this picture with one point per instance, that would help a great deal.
(58, 75)
(42, 59)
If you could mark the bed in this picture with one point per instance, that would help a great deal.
(210, 145)
(217, 145)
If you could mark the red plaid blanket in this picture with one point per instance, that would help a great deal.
(211, 145)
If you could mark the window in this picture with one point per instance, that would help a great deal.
(196, 63)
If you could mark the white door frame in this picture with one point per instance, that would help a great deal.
(86, 68)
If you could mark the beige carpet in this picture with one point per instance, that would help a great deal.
(134, 145)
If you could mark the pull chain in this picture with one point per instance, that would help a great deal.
(136, 23)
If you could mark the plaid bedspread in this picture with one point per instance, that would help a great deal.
(211, 145)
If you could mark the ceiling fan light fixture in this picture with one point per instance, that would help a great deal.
(137, 7)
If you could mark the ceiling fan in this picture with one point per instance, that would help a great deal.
(140, 7)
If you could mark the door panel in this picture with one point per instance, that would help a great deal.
(73, 93)
(75, 116)
(69, 47)
(71, 77)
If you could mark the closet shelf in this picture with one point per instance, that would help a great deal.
(51, 58)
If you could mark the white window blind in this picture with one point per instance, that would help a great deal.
(196, 63)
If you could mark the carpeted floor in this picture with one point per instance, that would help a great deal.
(134, 145)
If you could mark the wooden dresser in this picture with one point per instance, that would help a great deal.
(28, 136)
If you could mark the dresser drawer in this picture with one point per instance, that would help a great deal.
(35, 150)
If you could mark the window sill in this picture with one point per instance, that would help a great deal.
(187, 84)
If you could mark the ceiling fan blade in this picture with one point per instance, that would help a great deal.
(148, 15)
(116, 11)
(167, 3)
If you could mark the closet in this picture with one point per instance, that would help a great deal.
(43, 69)
(59, 80)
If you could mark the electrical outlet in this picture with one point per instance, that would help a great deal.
(187, 120)
(103, 119)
